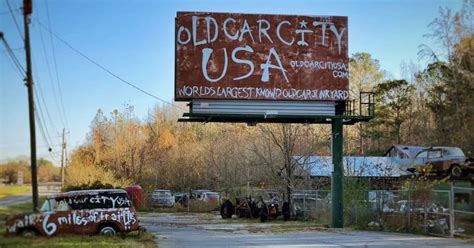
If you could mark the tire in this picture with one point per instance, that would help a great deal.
(107, 230)
(456, 171)
(28, 233)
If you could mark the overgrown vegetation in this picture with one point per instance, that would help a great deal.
(47, 172)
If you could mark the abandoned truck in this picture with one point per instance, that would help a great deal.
(443, 160)
(105, 211)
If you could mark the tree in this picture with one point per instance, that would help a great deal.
(394, 98)
(277, 148)
(365, 74)
(449, 83)
(82, 170)
(47, 172)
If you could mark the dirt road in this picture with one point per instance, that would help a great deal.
(209, 230)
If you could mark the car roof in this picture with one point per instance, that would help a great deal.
(445, 147)
(87, 192)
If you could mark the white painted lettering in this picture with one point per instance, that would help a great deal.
(243, 61)
(267, 66)
(263, 30)
(278, 33)
(206, 55)
(196, 43)
(232, 37)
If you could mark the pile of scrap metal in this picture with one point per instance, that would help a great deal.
(248, 207)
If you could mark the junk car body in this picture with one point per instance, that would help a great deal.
(443, 160)
(78, 212)
(162, 198)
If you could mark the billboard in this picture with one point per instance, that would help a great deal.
(230, 56)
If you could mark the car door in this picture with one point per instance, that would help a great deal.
(435, 159)
(56, 218)
(421, 158)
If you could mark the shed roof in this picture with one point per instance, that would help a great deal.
(410, 151)
(353, 166)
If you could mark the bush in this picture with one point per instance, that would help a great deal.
(95, 185)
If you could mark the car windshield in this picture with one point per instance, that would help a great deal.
(423, 154)
(162, 193)
(434, 154)
(46, 205)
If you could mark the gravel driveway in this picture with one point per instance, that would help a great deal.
(209, 230)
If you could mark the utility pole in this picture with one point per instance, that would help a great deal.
(27, 10)
(63, 151)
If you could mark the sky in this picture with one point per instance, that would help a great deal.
(135, 40)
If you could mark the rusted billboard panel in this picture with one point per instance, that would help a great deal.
(271, 57)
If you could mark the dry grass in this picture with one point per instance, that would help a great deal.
(7, 191)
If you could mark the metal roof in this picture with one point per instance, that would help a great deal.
(410, 151)
(353, 166)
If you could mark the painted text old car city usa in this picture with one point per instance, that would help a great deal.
(272, 57)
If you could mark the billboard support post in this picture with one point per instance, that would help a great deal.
(337, 213)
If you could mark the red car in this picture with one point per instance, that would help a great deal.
(444, 160)
(106, 211)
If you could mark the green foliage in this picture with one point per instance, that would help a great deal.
(365, 73)
(357, 210)
(394, 98)
(47, 172)
(9, 171)
(449, 84)
(95, 185)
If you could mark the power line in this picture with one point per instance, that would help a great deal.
(13, 58)
(18, 69)
(41, 124)
(14, 19)
(51, 79)
(56, 66)
(40, 118)
(16, 49)
(41, 94)
(107, 70)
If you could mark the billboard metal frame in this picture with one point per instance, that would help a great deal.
(345, 114)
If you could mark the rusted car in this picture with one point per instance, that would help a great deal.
(443, 160)
(106, 211)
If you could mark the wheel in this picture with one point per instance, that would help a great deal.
(456, 170)
(28, 233)
(107, 231)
